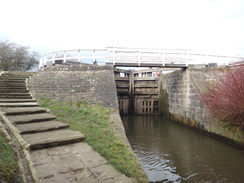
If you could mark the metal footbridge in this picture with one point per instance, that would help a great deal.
(138, 57)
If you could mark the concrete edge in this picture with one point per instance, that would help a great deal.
(24, 146)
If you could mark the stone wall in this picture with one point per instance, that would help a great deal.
(181, 90)
(73, 83)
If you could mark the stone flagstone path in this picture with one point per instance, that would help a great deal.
(54, 153)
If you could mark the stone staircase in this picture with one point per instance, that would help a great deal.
(31, 125)
(38, 128)
(51, 152)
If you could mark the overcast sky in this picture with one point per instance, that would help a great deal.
(215, 26)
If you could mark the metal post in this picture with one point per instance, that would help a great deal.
(114, 56)
(206, 61)
(65, 57)
(40, 63)
(78, 59)
(187, 58)
(227, 61)
(139, 57)
(45, 61)
(94, 57)
(163, 57)
(53, 58)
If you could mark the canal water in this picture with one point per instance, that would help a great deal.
(170, 152)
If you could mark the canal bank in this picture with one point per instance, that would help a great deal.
(180, 100)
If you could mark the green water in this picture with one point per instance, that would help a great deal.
(170, 152)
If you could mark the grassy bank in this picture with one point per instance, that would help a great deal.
(9, 169)
(93, 122)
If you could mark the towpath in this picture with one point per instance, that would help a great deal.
(52, 152)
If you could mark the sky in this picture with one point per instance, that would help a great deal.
(212, 26)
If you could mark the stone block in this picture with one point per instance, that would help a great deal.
(104, 172)
(86, 176)
(45, 170)
(40, 157)
(67, 162)
(61, 178)
(60, 150)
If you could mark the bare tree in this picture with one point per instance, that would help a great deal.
(16, 57)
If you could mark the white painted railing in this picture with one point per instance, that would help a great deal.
(137, 57)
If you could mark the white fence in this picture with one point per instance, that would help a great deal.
(119, 56)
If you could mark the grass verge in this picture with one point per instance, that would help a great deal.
(9, 168)
(93, 122)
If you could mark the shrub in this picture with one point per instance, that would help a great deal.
(225, 96)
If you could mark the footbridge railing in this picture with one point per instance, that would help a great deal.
(137, 57)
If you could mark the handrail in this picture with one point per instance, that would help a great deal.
(137, 56)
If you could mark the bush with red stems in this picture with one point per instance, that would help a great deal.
(225, 96)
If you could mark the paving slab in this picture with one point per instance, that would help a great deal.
(67, 166)
(23, 110)
(54, 138)
(19, 104)
(62, 178)
(88, 155)
(67, 162)
(45, 170)
(41, 126)
(30, 118)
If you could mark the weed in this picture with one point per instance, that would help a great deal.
(9, 170)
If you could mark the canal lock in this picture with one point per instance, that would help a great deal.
(137, 91)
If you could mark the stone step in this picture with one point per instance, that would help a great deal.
(14, 94)
(16, 100)
(41, 126)
(23, 110)
(3, 90)
(15, 97)
(19, 104)
(19, 73)
(31, 118)
(52, 138)
(12, 77)
(3, 77)
(11, 81)
(13, 87)
(7, 84)
(3, 81)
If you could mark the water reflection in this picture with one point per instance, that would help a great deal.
(170, 152)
